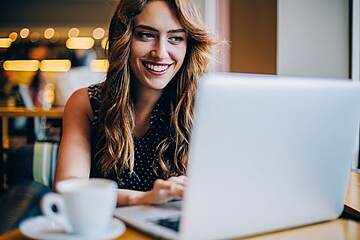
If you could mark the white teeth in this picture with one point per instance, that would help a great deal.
(156, 68)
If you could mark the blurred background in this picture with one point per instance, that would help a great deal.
(43, 40)
(50, 48)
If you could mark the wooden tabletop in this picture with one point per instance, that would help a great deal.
(340, 229)
(56, 112)
(353, 192)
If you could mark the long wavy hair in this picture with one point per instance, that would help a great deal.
(116, 144)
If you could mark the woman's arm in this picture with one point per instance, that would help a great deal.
(74, 156)
(74, 159)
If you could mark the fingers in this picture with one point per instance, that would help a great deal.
(181, 180)
(177, 191)
(161, 184)
(164, 191)
(172, 188)
(177, 186)
(160, 193)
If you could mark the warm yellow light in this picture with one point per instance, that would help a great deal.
(13, 36)
(34, 36)
(73, 32)
(5, 42)
(80, 43)
(49, 33)
(98, 33)
(104, 43)
(99, 65)
(21, 65)
(24, 33)
(55, 65)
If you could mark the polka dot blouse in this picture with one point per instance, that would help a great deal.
(145, 148)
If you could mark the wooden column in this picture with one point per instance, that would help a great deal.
(253, 36)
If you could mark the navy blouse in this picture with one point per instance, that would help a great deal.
(146, 159)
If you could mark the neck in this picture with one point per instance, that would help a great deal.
(145, 99)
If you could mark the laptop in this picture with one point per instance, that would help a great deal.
(267, 153)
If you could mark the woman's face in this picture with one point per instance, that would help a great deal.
(158, 46)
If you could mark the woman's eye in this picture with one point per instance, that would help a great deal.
(176, 39)
(145, 35)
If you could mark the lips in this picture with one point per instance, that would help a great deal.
(156, 68)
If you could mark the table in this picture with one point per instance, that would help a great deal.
(331, 230)
(353, 192)
(7, 112)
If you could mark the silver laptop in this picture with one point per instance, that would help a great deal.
(267, 153)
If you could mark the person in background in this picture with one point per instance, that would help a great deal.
(79, 76)
(38, 83)
(134, 128)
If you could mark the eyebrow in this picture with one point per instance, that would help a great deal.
(180, 30)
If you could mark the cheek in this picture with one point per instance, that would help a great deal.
(180, 54)
(137, 50)
(135, 54)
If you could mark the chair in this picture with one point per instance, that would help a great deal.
(33, 162)
(31, 171)
(20, 202)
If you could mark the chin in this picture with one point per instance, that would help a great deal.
(158, 84)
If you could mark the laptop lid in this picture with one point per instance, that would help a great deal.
(268, 153)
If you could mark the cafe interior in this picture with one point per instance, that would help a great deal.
(49, 49)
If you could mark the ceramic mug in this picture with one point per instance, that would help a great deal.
(84, 206)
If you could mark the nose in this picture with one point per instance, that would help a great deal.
(160, 50)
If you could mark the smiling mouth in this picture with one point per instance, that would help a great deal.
(156, 67)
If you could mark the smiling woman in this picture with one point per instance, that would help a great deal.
(135, 127)
(158, 49)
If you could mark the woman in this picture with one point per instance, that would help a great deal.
(135, 127)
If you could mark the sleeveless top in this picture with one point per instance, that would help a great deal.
(146, 160)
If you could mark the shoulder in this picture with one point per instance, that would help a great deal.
(79, 103)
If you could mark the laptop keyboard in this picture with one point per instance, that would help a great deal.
(171, 223)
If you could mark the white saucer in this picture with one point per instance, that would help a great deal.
(42, 228)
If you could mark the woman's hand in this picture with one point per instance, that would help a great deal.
(164, 191)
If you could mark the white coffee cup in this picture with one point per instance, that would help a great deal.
(84, 206)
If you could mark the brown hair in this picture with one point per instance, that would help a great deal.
(117, 142)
